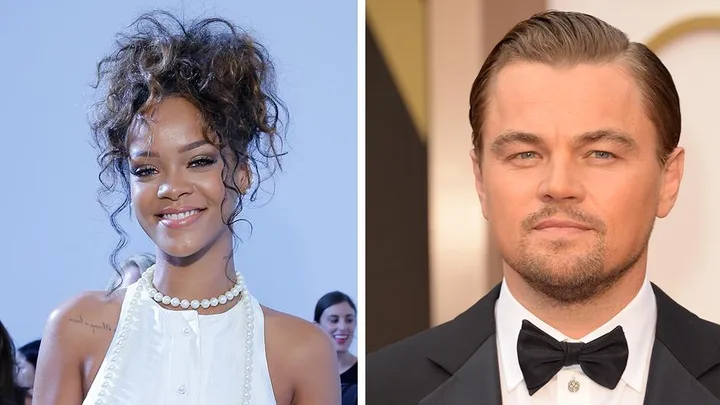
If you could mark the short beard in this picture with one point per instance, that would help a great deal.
(579, 281)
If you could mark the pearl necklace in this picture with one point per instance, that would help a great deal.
(145, 283)
(195, 304)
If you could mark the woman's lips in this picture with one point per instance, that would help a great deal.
(341, 338)
(181, 219)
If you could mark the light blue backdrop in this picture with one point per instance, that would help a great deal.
(56, 238)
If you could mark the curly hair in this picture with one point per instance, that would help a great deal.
(219, 68)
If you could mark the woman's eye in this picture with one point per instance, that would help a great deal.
(202, 162)
(143, 171)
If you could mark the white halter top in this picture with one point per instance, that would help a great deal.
(160, 356)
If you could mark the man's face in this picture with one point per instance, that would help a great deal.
(569, 178)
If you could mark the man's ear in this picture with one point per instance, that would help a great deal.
(671, 178)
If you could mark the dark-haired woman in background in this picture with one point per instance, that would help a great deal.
(188, 118)
(10, 392)
(335, 312)
(27, 363)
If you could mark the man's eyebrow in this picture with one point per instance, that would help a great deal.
(510, 137)
(616, 136)
(608, 135)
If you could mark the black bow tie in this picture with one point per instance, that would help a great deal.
(541, 357)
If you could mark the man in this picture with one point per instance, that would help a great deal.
(575, 134)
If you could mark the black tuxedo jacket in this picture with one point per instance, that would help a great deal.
(456, 363)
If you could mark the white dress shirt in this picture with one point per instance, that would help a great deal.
(638, 320)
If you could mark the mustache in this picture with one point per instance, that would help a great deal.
(572, 213)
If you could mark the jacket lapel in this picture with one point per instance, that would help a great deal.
(669, 383)
(684, 349)
(466, 350)
(477, 381)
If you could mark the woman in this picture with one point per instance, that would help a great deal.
(27, 363)
(10, 393)
(335, 312)
(131, 270)
(189, 117)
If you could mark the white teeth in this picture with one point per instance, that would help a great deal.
(341, 336)
(182, 215)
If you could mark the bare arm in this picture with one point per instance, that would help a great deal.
(315, 367)
(66, 344)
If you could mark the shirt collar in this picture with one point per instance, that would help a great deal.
(638, 320)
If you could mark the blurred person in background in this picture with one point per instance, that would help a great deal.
(27, 362)
(131, 270)
(336, 314)
(11, 393)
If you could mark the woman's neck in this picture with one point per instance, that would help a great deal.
(208, 275)
(346, 360)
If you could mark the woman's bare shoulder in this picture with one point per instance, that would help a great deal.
(77, 335)
(300, 339)
(86, 317)
(301, 359)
